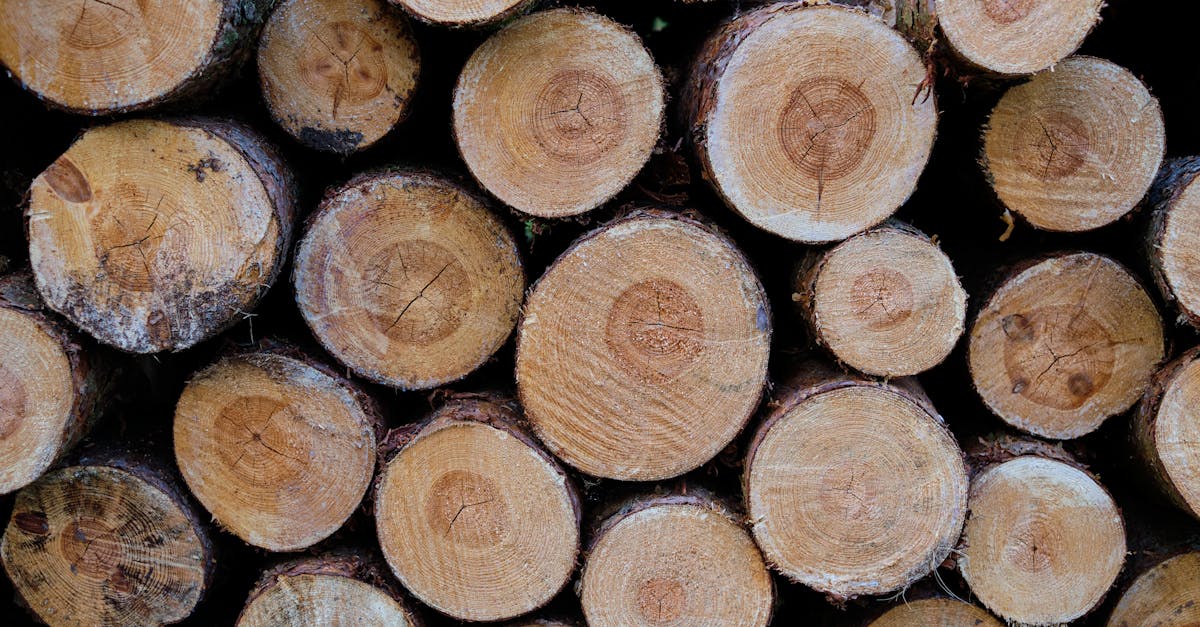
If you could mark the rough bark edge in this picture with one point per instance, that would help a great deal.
(232, 43)
(687, 217)
(412, 174)
(351, 564)
(1144, 425)
(1175, 176)
(499, 20)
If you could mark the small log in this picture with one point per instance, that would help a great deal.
(407, 278)
(558, 111)
(886, 302)
(473, 517)
(1166, 428)
(643, 349)
(934, 611)
(277, 447)
(152, 235)
(1044, 540)
(338, 75)
(1167, 595)
(1076, 147)
(52, 386)
(459, 14)
(854, 487)
(101, 57)
(332, 589)
(810, 122)
(675, 559)
(1174, 236)
(111, 540)
(1064, 343)
(1012, 37)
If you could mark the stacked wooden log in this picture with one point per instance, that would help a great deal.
(692, 313)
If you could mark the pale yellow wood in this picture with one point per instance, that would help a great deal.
(310, 599)
(1016, 36)
(1167, 595)
(936, 612)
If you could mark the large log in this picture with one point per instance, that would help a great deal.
(407, 278)
(810, 122)
(152, 235)
(100, 57)
(1174, 236)
(279, 448)
(853, 487)
(1064, 343)
(558, 111)
(1166, 428)
(473, 517)
(1167, 595)
(643, 349)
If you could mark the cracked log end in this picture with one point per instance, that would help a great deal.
(474, 519)
(408, 279)
(1065, 343)
(338, 74)
(1167, 595)
(936, 611)
(153, 235)
(1075, 148)
(326, 590)
(643, 349)
(558, 111)
(675, 561)
(1166, 429)
(105, 56)
(102, 545)
(1016, 36)
(279, 452)
(854, 487)
(460, 13)
(886, 302)
(813, 123)
(1043, 543)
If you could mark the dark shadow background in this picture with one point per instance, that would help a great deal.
(952, 201)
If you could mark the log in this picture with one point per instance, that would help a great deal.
(340, 588)
(473, 517)
(102, 57)
(459, 14)
(886, 302)
(1166, 430)
(853, 487)
(682, 559)
(52, 386)
(580, 104)
(643, 349)
(1167, 595)
(109, 540)
(935, 611)
(1044, 540)
(1076, 147)
(152, 235)
(1174, 236)
(833, 142)
(338, 75)
(279, 448)
(1064, 343)
(1014, 37)
(408, 279)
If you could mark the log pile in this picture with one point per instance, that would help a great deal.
(538, 313)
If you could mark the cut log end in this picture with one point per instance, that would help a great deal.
(97, 544)
(643, 349)
(155, 235)
(409, 279)
(1175, 236)
(324, 591)
(1044, 541)
(337, 74)
(1167, 429)
(678, 562)
(1076, 147)
(938, 611)
(556, 113)
(1064, 344)
(460, 13)
(833, 142)
(474, 519)
(855, 488)
(278, 451)
(1166, 595)
(887, 302)
(1016, 36)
